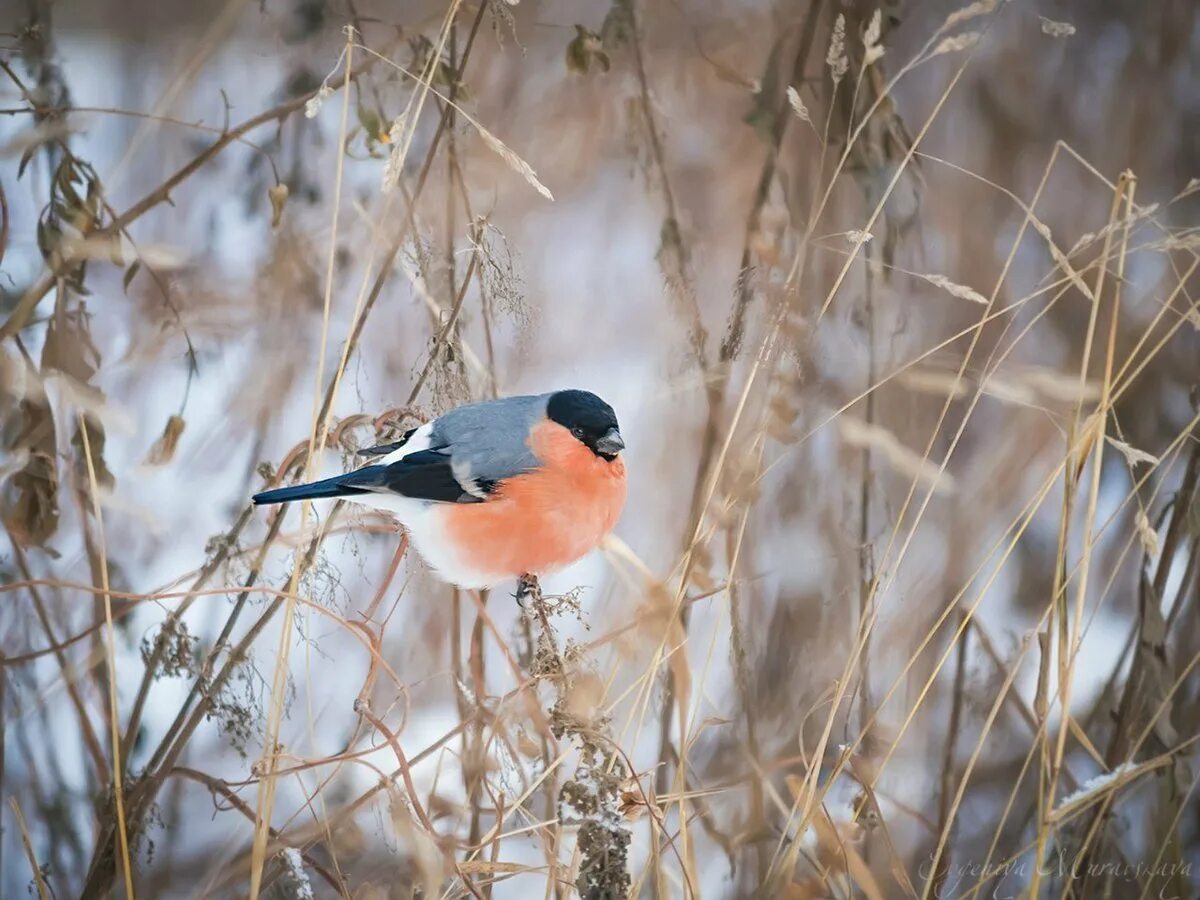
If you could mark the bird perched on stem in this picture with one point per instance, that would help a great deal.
(494, 491)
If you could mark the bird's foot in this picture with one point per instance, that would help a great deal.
(527, 586)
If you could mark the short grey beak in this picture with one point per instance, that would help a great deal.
(611, 443)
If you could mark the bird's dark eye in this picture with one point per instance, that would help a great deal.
(578, 432)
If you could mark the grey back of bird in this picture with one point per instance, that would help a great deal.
(489, 441)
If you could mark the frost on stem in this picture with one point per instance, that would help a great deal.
(293, 883)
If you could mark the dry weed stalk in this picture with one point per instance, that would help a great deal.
(590, 800)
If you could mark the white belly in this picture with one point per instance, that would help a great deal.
(422, 520)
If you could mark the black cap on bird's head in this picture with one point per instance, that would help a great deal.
(589, 418)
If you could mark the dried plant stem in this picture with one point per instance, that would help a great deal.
(70, 679)
(219, 787)
(1070, 634)
(885, 560)
(42, 888)
(674, 256)
(447, 329)
(361, 312)
(715, 387)
(866, 575)
(203, 693)
(742, 675)
(602, 842)
(997, 705)
(161, 194)
(1187, 495)
(123, 232)
(316, 442)
(364, 307)
(475, 756)
(174, 617)
(945, 805)
(111, 657)
(414, 798)
(1025, 518)
(782, 119)
(201, 689)
(1121, 746)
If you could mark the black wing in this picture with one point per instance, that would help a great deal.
(385, 449)
(424, 475)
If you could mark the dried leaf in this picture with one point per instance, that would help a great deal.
(31, 495)
(515, 162)
(858, 433)
(663, 624)
(836, 847)
(69, 349)
(585, 49)
(163, 450)
(313, 105)
(584, 697)
(970, 11)
(927, 381)
(798, 106)
(1155, 706)
(1008, 391)
(1147, 536)
(836, 57)
(25, 158)
(1193, 317)
(872, 50)
(631, 806)
(527, 746)
(1060, 386)
(130, 274)
(32, 515)
(1060, 258)
(95, 442)
(394, 166)
(874, 29)
(956, 290)
(1085, 440)
(956, 43)
(486, 867)
(278, 195)
(1133, 455)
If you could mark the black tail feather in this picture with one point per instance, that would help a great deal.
(337, 486)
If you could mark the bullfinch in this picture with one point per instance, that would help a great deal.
(494, 491)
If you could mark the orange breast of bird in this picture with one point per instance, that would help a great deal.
(543, 520)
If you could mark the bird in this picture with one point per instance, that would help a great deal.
(517, 487)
